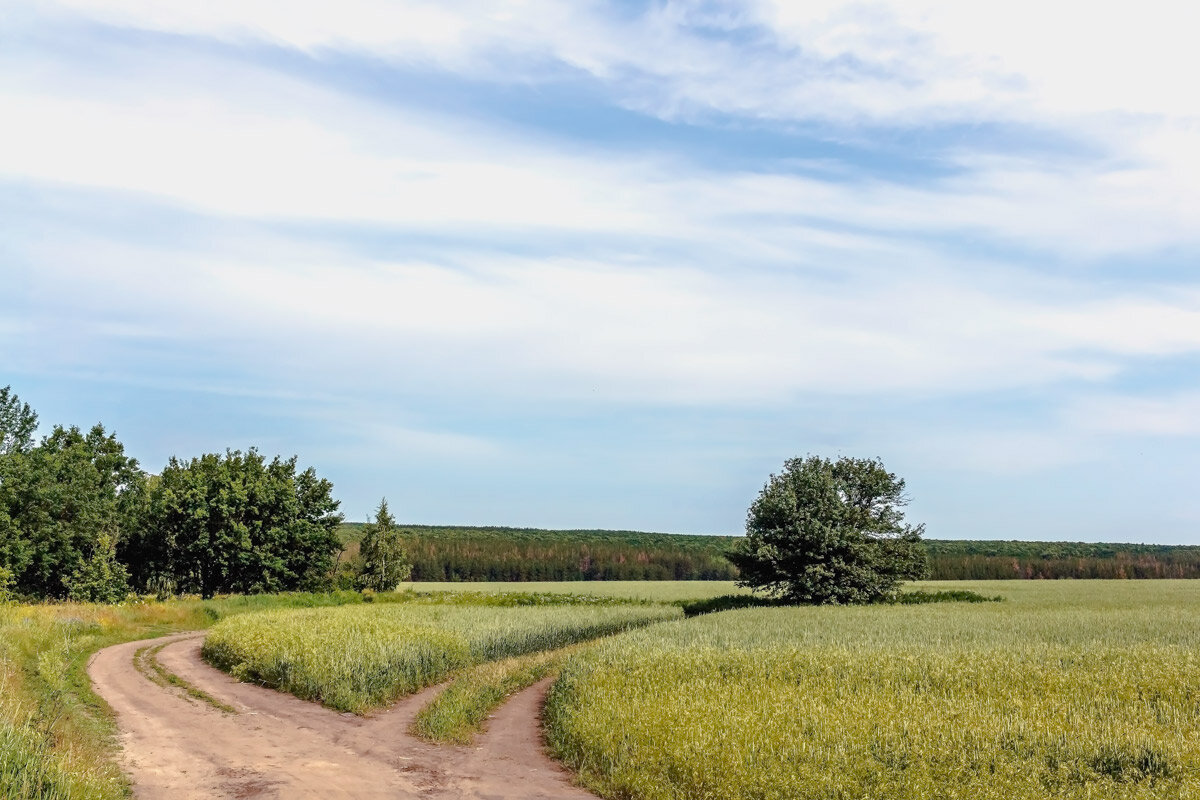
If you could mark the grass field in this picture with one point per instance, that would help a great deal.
(1066, 690)
(354, 658)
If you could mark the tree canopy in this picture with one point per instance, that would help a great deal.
(18, 423)
(236, 523)
(825, 531)
(63, 501)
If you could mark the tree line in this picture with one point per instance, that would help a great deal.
(80, 519)
(1000, 560)
(458, 553)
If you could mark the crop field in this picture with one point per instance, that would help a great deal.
(650, 591)
(1066, 690)
(354, 658)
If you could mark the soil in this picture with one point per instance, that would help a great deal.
(277, 746)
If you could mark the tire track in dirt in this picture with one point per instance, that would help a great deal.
(277, 746)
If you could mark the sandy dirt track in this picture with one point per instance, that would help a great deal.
(277, 746)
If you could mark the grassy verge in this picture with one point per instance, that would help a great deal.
(460, 711)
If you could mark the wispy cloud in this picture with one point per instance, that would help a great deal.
(252, 198)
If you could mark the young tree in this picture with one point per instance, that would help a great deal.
(18, 422)
(384, 562)
(101, 578)
(236, 523)
(830, 532)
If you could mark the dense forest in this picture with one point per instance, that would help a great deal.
(461, 553)
(448, 553)
(986, 560)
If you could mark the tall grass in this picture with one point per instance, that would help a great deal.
(31, 770)
(1066, 691)
(460, 711)
(358, 657)
(55, 739)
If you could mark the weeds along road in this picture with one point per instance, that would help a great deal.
(274, 745)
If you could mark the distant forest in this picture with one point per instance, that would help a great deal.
(446, 553)
(459, 553)
(984, 560)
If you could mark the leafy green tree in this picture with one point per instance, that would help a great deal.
(6, 584)
(18, 423)
(101, 578)
(384, 560)
(236, 523)
(58, 499)
(826, 531)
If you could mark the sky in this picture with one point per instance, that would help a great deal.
(608, 265)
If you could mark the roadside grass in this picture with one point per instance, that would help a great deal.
(363, 657)
(462, 709)
(1066, 690)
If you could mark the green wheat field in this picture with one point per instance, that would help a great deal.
(1064, 689)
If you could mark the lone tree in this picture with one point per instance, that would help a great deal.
(384, 562)
(826, 531)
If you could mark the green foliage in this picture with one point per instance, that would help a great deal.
(18, 422)
(384, 563)
(948, 596)
(58, 499)
(101, 578)
(355, 658)
(729, 602)
(829, 532)
(236, 523)
(726, 602)
(6, 585)
(1069, 690)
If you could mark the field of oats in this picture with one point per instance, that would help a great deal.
(1064, 690)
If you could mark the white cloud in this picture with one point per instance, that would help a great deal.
(1113, 78)
(582, 330)
(815, 59)
(760, 299)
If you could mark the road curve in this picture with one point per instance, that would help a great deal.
(277, 746)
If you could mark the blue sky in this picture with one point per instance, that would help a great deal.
(608, 265)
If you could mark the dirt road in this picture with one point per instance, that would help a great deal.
(277, 746)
